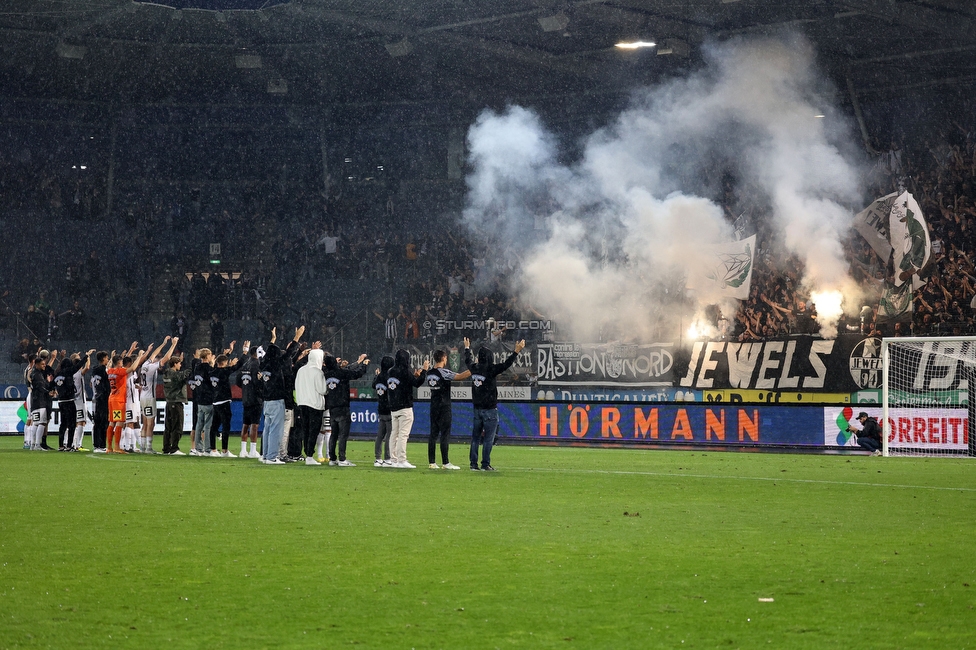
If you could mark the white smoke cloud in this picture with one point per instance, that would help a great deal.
(626, 225)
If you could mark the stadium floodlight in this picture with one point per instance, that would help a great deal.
(634, 45)
(555, 23)
(400, 48)
(66, 51)
(248, 61)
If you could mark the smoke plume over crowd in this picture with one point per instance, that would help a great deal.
(608, 245)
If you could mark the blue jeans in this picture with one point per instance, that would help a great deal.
(868, 443)
(201, 433)
(274, 428)
(483, 434)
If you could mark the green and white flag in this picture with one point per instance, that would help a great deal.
(896, 302)
(910, 240)
(729, 272)
(872, 224)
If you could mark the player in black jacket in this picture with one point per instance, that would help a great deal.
(484, 394)
(64, 387)
(203, 397)
(337, 376)
(382, 446)
(100, 392)
(273, 387)
(247, 379)
(439, 381)
(41, 402)
(220, 378)
(399, 392)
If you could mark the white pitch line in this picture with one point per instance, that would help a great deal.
(114, 459)
(739, 478)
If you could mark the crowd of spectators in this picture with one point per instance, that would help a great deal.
(421, 266)
(939, 170)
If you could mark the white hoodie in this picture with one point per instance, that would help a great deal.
(310, 386)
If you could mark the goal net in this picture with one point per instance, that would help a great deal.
(925, 396)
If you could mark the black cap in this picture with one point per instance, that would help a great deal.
(862, 414)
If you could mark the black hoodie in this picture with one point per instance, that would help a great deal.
(203, 387)
(484, 391)
(401, 382)
(272, 375)
(247, 379)
(337, 379)
(379, 385)
(64, 381)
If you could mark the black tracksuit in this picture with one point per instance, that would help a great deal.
(64, 386)
(100, 392)
(337, 403)
(439, 382)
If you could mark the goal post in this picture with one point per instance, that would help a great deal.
(925, 406)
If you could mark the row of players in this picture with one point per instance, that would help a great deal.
(301, 392)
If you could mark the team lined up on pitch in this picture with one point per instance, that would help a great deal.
(301, 392)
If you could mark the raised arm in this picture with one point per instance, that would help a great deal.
(88, 358)
(169, 353)
(138, 361)
(159, 351)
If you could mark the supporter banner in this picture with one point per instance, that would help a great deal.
(872, 224)
(917, 373)
(803, 365)
(915, 428)
(598, 394)
(775, 397)
(611, 364)
(628, 424)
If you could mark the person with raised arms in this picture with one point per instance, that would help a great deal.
(484, 395)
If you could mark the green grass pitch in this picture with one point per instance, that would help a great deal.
(562, 548)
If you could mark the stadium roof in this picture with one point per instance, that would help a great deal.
(350, 52)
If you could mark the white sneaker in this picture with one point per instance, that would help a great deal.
(405, 465)
(451, 466)
(177, 453)
(275, 461)
(333, 463)
(254, 454)
(378, 463)
(100, 450)
(346, 463)
(433, 466)
(228, 454)
(194, 452)
(213, 453)
(311, 461)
